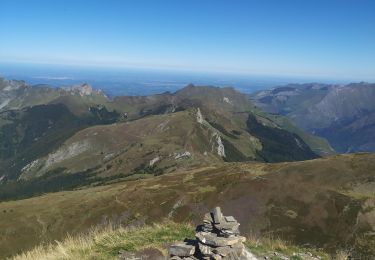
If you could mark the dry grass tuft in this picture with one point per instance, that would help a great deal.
(105, 243)
(341, 255)
(268, 245)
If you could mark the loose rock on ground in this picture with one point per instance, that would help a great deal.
(217, 238)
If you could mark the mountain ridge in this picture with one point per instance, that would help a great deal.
(343, 114)
(204, 124)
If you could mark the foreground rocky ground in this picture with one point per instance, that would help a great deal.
(218, 238)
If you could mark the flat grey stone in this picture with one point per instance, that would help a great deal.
(147, 253)
(223, 250)
(218, 216)
(207, 218)
(227, 226)
(216, 257)
(213, 240)
(205, 249)
(238, 248)
(231, 256)
(181, 249)
(230, 219)
(175, 258)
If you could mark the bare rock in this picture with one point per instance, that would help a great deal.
(181, 249)
(205, 249)
(217, 238)
(213, 239)
(217, 215)
(147, 253)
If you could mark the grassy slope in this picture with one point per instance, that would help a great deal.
(325, 202)
(116, 152)
(120, 150)
(107, 242)
(127, 148)
(34, 132)
(158, 136)
(318, 144)
(331, 112)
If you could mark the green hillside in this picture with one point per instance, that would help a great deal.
(83, 138)
(325, 203)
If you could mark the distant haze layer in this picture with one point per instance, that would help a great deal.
(132, 81)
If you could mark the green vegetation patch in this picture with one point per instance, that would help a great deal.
(276, 248)
(52, 181)
(106, 243)
(279, 145)
(155, 236)
(232, 154)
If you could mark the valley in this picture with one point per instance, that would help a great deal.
(343, 114)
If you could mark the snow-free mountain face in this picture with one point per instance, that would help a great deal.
(344, 114)
(15, 94)
(139, 159)
(80, 136)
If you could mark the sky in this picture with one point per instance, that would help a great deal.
(325, 38)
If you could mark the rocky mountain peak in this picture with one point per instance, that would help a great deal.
(11, 85)
(83, 89)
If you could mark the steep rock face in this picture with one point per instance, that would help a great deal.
(342, 114)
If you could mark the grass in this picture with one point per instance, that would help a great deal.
(267, 246)
(300, 202)
(105, 243)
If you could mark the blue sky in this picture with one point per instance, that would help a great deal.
(327, 38)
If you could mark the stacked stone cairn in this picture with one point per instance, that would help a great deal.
(218, 238)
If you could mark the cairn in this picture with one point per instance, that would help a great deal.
(217, 238)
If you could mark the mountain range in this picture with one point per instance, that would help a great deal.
(343, 114)
(72, 158)
(77, 135)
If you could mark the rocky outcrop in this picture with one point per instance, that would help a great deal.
(217, 238)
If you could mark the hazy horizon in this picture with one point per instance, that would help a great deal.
(140, 81)
(330, 40)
